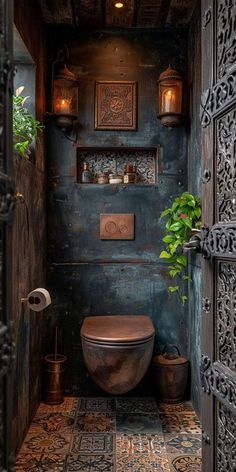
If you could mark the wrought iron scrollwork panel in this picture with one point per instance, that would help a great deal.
(215, 99)
(206, 17)
(226, 36)
(226, 167)
(7, 197)
(220, 240)
(220, 381)
(6, 349)
(226, 314)
(226, 439)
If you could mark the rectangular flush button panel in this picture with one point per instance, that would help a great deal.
(117, 226)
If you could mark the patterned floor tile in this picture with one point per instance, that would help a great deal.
(175, 408)
(40, 462)
(52, 423)
(69, 405)
(96, 463)
(190, 422)
(97, 404)
(171, 423)
(93, 443)
(140, 443)
(46, 443)
(138, 423)
(183, 444)
(80, 435)
(185, 463)
(95, 422)
(136, 405)
(142, 463)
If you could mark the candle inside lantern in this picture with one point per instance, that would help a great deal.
(169, 101)
(63, 106)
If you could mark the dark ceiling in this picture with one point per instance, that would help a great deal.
(103, 14)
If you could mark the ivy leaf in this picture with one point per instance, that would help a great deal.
(173, 289)
(165, 255)
(175, 226)
(165, 212)
(182, 260)
(187, 222)
(168, 239)
(191, 203)
(197, 212)
(174, 246)
(175, 205)
(186, 277)
(184, 298)
(174, 272)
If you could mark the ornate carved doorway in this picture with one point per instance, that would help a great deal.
(6, 207)
(218, 118)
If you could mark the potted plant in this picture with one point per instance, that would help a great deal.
(25, 126)
(184, 215)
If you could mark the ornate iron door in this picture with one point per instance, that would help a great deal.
(218, 245)
(6, 206)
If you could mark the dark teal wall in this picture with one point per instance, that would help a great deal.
(89, 276)
(194, 185)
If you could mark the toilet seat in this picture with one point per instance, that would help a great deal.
(117, 330)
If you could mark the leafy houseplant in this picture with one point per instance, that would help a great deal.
(25, 126)
(183, 216)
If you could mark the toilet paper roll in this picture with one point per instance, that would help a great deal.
(38, 299)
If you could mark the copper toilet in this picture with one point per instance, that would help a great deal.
(117, 350)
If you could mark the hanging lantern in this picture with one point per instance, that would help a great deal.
(170, 97)
(65, 98)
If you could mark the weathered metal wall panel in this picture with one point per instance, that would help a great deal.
(90, 276)
(82, 289)
(194, 184)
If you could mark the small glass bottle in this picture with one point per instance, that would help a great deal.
(86, 174)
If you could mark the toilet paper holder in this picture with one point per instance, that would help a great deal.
(38, 299)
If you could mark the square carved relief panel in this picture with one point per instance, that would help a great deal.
(115, 105)
(117, 226)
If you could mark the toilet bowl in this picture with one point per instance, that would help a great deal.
(117, 350)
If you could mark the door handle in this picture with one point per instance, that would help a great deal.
(194, 243)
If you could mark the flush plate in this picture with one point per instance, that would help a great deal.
(117, 226)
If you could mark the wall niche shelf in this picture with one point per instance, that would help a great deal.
(113, 159)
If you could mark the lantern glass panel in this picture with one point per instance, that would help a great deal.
(65, 99)
(171, 97)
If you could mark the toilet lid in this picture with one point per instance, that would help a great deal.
(117, 329)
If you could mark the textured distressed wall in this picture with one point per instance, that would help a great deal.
(29, 247)
(89, 276)
(194, 184)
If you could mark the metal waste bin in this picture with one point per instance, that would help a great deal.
(171, 375)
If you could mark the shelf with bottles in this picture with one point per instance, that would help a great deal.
(117, 165)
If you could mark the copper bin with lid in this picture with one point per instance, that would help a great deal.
(171, 375)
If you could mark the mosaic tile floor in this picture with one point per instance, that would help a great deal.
(112, 435)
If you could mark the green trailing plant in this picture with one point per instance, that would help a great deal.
(25, 126)
(183, 216)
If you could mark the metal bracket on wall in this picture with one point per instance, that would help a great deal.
(206, 438)
(206, 305)
(206, 176)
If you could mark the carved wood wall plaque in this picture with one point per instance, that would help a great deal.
(116, 105)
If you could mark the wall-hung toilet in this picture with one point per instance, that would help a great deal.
(117, 350)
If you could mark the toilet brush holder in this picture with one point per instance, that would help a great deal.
(53, 379)
(54, 367)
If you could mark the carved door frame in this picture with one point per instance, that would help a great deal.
(6, 208)
(218, 245)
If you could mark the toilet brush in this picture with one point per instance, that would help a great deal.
(54, 367)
